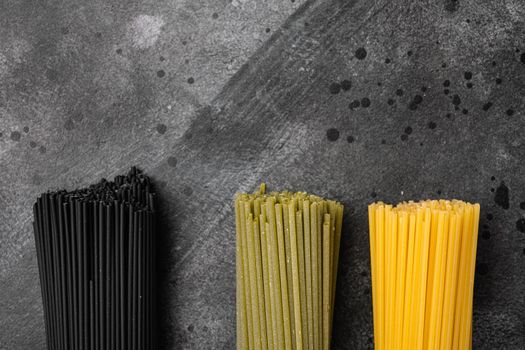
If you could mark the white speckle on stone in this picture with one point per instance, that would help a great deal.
(169, 107)
(144, 31)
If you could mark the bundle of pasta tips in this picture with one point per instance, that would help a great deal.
(423, 258)
(287, 257)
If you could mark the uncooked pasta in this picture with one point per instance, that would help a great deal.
(423, 258)
(287, 257)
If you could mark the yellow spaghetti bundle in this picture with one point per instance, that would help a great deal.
(287, 256)
(423, 258)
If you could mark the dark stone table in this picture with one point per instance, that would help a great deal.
(354, 100)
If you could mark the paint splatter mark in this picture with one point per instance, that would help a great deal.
(332, 134)
(188, 191)
(482, 269)
(68, 125)
(346, 85)
(172, 162)
(144, 31)
(350, 139)
(360, 53)
(191, 80)
(501, 197)
(365, 102)
(487, 106)
(15, 136)
(354, 104)
(334, 88)
(520, 225)
(451, 5)
(161, 73)
(161, 129)
(432, 125)
(510, 112)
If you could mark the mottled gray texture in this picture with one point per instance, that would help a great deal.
(96, 104)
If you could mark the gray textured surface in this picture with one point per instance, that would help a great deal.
(86, 81)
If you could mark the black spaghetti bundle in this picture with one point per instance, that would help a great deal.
(96, 260)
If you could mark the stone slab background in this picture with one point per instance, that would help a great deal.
(211, 98)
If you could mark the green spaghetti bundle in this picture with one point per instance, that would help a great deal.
(287, 257)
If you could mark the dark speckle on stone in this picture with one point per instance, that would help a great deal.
(469, 85)
(52, 75)
(451, 5)
(494, 63)
(490, 216)
(191, 80)
(332, 134)
(390, 101)
(443, 65)
(334, 88)
(162, 59)
(409, 53)
(354, 104)
(267, 30)
(64, 30)
(456, 100)
(520, 225)
(493, 178)
(161, 129)
(522, 58)
(360, 53)
(446, 83)
(188, 191)
(387, 60)
(486, 106)
(418, 99)
(346, 85)
(350, 139)
(522, 205)
(408, 130)
(423, 89)
(498, 81)
(446, 91)
(68, 125)
(373, 194)
(383, 142)
(42, 149)
(432, 125)
(172, 162)
(215, 15)
(365, 102)
(468, 75)
(485, 235)
(32, 144)
(404, 137)
(191, 328)
(26, 129)
(501, 197)
(482, 269)
(15, 136)
(161, 73)
(510, 112)
(119, 51)
(464, 111)
(399, 92)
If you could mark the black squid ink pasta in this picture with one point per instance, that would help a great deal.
(96, 259)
